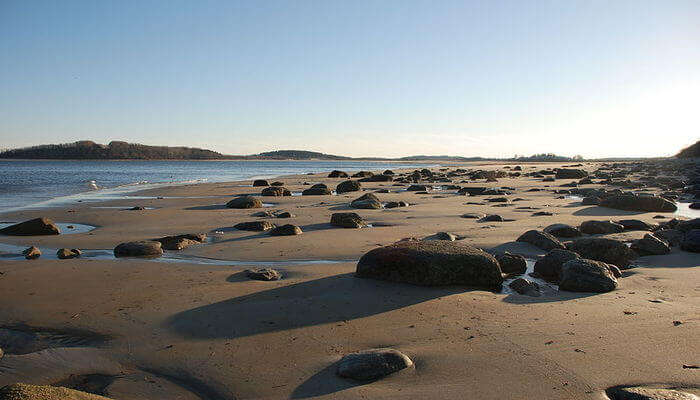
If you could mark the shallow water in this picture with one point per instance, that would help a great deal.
(684, 210)
(546, 288)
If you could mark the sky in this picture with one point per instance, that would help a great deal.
(356, 78)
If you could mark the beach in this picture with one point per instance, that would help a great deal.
(192, 325)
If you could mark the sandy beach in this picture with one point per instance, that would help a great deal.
(192, 325)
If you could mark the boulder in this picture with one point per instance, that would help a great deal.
(525, 287)
(549, 266)
(512, 263)
(650, 245)
(275, 191)
(260, 182)
(417, 188)
(388, 172)
(378, 178)
(263, 274)
(607, 250)
(277, 183)
(362, 174)
(244, 202)
(36, 226)
(635, 225)
(286, 230)
(144, 248)
(431, 263)
(633, 202)
(648, 393)
(348, 186)
(23, 391)
(366, 201)
(31, 253)
(450, 237)
(318, 189)
(583, 275)
(257, 226)
(600, 227)
(492, 218)
(372, 364)
(347, 220)
(179, 242)
(395, 204)
(540, 239)
(686, 226)
(562, 230)
(338, 174)
(285, 214)
(565, 173)
(674, 237)
(590, 201)
(691, 241)
(472, 191)
(65, 254)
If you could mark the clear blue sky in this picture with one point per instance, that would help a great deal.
(375, 78)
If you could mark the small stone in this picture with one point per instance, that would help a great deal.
(64, 254)
(263, 274)
(32, 253)
(372, 364)
(286, 230)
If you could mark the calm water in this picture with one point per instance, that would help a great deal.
(46, 183)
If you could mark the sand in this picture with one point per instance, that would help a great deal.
(190, 330)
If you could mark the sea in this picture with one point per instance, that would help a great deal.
(45, 183)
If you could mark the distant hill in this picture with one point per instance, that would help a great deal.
(296, 155)
(691, 151)
(88, 150)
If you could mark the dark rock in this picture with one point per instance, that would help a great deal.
(286, 230)
(472, 191)
(64, 254)
(609, 251)
(372, 364)
(179, 242)
(590, 201)
(633, 202)
(338, 174)
(549, 266)
(492, 218)
(36, 226)
(635, 225)
(378, 178)
(473, 215)
(263, 274)
(318, 189)
(366, 201)
(285, 214)
(691, 241)
(388, 172)
(31, 253)
(686, 226)
(673, 237)
(417, 188)
(647, 393)
(395, 204)
(650, 245)
(144, 248)
(431, 263)
(260, 182)
(275, 191)
(245, 202)
(600, 227)
(564, 173)
(257, 226)
(277, 183)
(542, 214)
(540, 239)
(348, 186)
(347, 220)
(362, 174)
(563, 230)
(512, 263)
(525, 287)
(694, 206)
(136, 208)
(583, 275)
(450, 237)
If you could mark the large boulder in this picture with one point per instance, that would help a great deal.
(319, 189)
(36, 226)
(23, 391)
(372, 364)
(601, 227)
(650, 245)
(431, 263)
(607, 250)
(633, 202)
(582, 275)
(143, 248)
(367, 201)
(691, 241)
(549, 266)
(378, 178)
(347, 220)
(635, 225)
(562, 230)
(256, 226)
(565, 173)
(512, 263)
(286, 230)
(348, 186)
(275, 191)
(540, 239)
(245, 202)
(338, 174)
(674, 237)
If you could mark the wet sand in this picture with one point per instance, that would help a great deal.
(197, 330)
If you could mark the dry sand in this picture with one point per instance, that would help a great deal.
(187, 330)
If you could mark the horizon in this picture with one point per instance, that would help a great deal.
(363, 79)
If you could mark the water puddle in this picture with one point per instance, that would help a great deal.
(66, 228)
(546, 288)
(685, 211)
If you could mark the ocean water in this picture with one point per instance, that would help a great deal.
(44, 183)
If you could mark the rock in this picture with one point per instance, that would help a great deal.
(472, 191)
(372, 364)
(348, 186)
(286, 230)
(694, 206)
(431, 263)
(263, 274)
(417, 188)
(600, 227)
(650, 245)
(378, 178)
(179, 242)
(635, 225)
(583, 275)
(136, 208)
(549, 266)
(525, 287)
(540, 239)
(686, 226)
(277, 183)
(395, 204)
(645, 393)
(562, 230)
(285, 214)
(542, 214)
(362, 174)
(590, 201)
(673, 237)
(473, 215)
(64, 254)
(497, 200)
(257, 226)
(512, 263)
(609, 251)
(367, 201)
(244, 202)
(564, 173)
(318, 189)
(347, 220)
(633, 202)
(338, 174)
(144, 248)
(31, 253)
(23, 391)
(691, 241)
(275, 191)
(260, 182)
(450, 237)
(36, 226)
(492, 218)
(388, 172)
